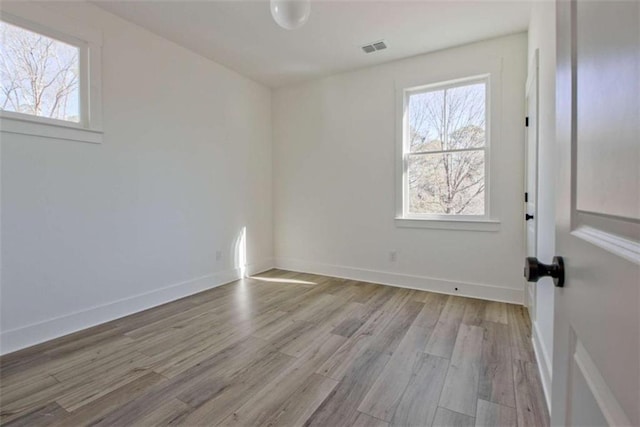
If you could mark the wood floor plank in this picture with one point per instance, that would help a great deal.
(294, 303)
(267, 402)
(337, 365)
(96, 409)
(40, 352)
(383, 398)
(319, 331)
(385, 394)
(286, 348)
(172, 363)
(419, 401)
(213, 405)
(340, 407)
(348, 327)
(390, 337)
(496, 382)
(434, 304)
(149, 317)
(109, 335)
(459, 393)
(227, 360)
(172, 412)
(303, 402)
(155, 346)
(444, 335)
(343, 359)
(113, 364)
(316, 308)
(208, 383)
(365, 420)
(81, 393)
(23, 388)
(447, 418)
(364, 292)
(493, 415)
(474, 312)
(27, 402)
(94, 353)
(337, 408)
(43, 416)
(520, 333)
(530, 402)
(496, 312)
(381, 301)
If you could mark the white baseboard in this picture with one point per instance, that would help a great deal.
(544, 363)
(422, 283)
(36, 333)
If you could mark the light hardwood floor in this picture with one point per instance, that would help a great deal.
(287, 348)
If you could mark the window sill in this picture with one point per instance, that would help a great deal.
(450, 224)
(49, 130)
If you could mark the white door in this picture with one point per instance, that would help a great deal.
(531, 175)
(596, 360)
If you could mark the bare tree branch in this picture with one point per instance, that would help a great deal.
(449, 183)
(39, 75)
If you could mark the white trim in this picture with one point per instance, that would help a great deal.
(625, 248)
(544, 363)
(33, 127)
(491, 69)
(530, 293)
(609, 406)
(449, 224)
(404, 94)
(26, 336)
(422, 283)
(530, 90)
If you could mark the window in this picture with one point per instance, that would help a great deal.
(445, 142)
(49, 75)
(40, 76)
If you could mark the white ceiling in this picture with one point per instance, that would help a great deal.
(242, 35)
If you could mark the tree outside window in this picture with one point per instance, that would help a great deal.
(39, 75)
(445, 148)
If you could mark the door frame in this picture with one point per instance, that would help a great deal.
(531, 89)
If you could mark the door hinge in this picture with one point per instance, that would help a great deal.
(526, 197)
(526, 122)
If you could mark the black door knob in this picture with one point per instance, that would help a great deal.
(527, 217)
(534, 270)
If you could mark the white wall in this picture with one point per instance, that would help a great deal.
(93, 232)
(542, 37)
(334, 144)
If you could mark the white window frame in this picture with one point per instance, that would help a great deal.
(89, 42)
(404, 218)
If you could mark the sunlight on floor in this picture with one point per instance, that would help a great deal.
(275, 279)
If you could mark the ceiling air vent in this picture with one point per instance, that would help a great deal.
(379, 45)
(370, 48)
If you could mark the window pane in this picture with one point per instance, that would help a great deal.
(426, 121)
(466, 116)
(39, 75)
(447, 119)
(446, 183)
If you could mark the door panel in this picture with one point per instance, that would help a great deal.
(606, 50)
(597, 314)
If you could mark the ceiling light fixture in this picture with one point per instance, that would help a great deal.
(290, 14)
